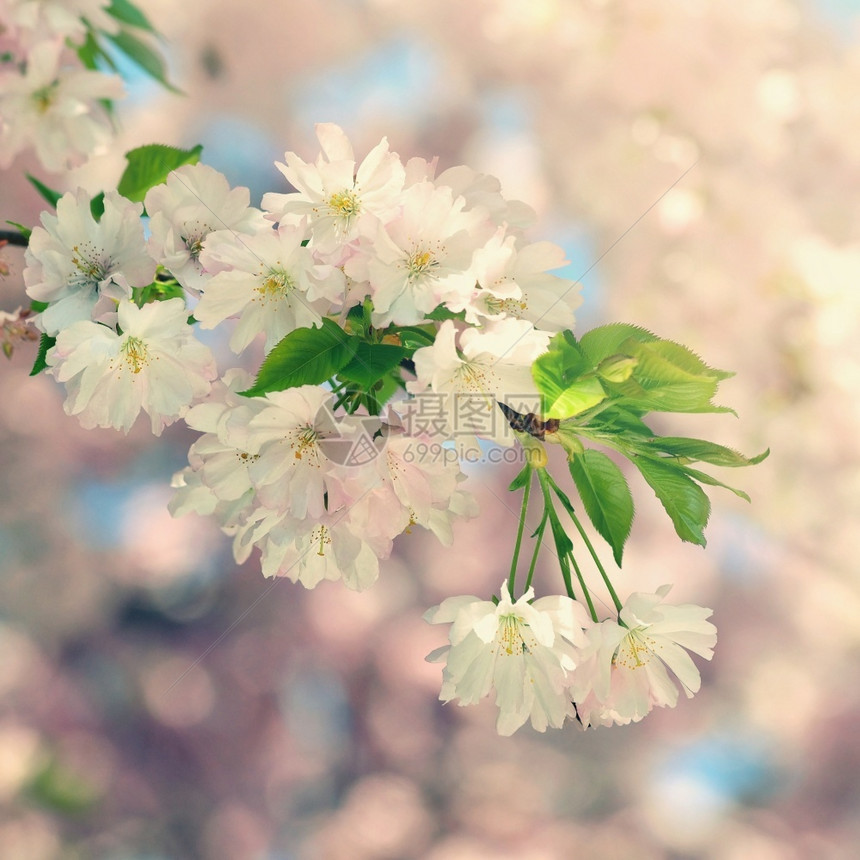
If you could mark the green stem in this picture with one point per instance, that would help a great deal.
(563, 545)
(526, 492)
(539, 536)
(567, 505)
(584, 588)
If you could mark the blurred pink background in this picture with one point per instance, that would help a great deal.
(159, 703)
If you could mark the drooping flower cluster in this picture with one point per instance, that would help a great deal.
(547, 661)
(397, 311)
(48, 99)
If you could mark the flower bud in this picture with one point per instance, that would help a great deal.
(617, 368)
(567, 437)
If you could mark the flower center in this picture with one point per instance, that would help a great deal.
(304, 443)
(92, 269)
(511, 307)
(276, 284)
(320, 537)
(44, 96)
(344, 205)
(420, 263)
(136, 353)
(635, 650)
(512, 637)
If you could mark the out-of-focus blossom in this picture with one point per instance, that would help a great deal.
(33, 21)
(16, 327)
(192, 203)
(155, 365)
(54, 108)
(83, 267)
(522, 650)
(623, 672)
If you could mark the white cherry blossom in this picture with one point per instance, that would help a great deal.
(155, 365)
(270, 282)
(422, 258)
(334, 195)
(623, 672)
(83, 267)
(523, 651)
(193, 202)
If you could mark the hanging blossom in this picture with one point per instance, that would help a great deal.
(83, 267)
(54, 108)
(524, 651)
(195, 201)
(270, 282)
(155, 365)
(623, 672)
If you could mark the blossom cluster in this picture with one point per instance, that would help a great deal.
(49, 99)
(548, 661)
(397, 310)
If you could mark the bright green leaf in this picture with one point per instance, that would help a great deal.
(606, 496)
(704, 478)
(668, 377)
(604, 341)
(700, 449)
(684, 500)
(565, 379)
(149, 166)
(306, 356)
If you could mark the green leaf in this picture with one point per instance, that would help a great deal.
(128, 13)
(90, 52)
(565, 379)
(149, 166)
(700, 449)
(414, 337)
(45, 343)
(668, 377)
(140, 53)
(24, 231)
(604, 341)
(441, 313)
(606, 495)
(47, 193)
(563, 543)
(306, 356)
(684, 500)
(704, 478)
(522, 478)
(97, 205)
(372, 361)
